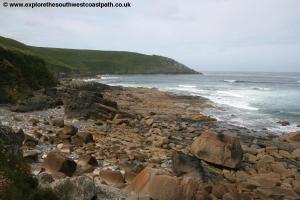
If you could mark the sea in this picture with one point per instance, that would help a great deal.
(253, 100)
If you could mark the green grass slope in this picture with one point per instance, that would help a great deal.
(105, 62)
(20, 74)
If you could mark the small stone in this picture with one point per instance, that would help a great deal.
(31, 155)
(29, 141)
(33, 121)
(296, 154)
(58, 122)
(149, 122)
(110, 177)
(56, 164)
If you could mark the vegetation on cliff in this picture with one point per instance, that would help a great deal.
(20, 74)
(105, 62)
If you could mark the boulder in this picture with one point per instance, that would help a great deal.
(237, 196)
(112, 177)
(283, 123)
(87, 163)
(11, 141)
(296, 154)
(75, 188)
(58, 122)
(57, 164)
(86, 137)
(33, 121)
(31, 155)
(186, 165)
(67, 132)
(291, 137)
(37, 102)
(30, 141)
(155, 184)
(218, 149)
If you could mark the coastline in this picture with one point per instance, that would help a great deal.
(162, 123)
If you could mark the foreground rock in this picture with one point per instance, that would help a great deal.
(75, 188)
(155, 184)
(218, 149)
(58, 165)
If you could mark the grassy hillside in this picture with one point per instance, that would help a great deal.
(20, 74)
(111, 62)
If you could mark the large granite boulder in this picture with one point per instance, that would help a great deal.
(57, 164)
(219, 149)
(186, 165)
(155, 184)
(292, 137)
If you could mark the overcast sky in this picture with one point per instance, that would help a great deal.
(226, 35)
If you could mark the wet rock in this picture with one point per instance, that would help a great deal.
(218, 148)
(57, 164)
(58, 122)
(283, 123)
(114, 178)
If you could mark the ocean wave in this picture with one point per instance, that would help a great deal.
(240, 81)
(108, 77)
(237, 103)
(187, 86)
(230, 81)
(259, 88)
(91, 79)
(229, 94)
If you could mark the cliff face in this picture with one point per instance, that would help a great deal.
(20, 74)
(105, 62)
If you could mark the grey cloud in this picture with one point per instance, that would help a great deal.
(255, 35)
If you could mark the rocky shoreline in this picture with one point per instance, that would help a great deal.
(99, 142)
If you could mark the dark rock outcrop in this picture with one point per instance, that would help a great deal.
(37, 102)
(84, 100)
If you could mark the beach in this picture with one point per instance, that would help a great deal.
(118, 136)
